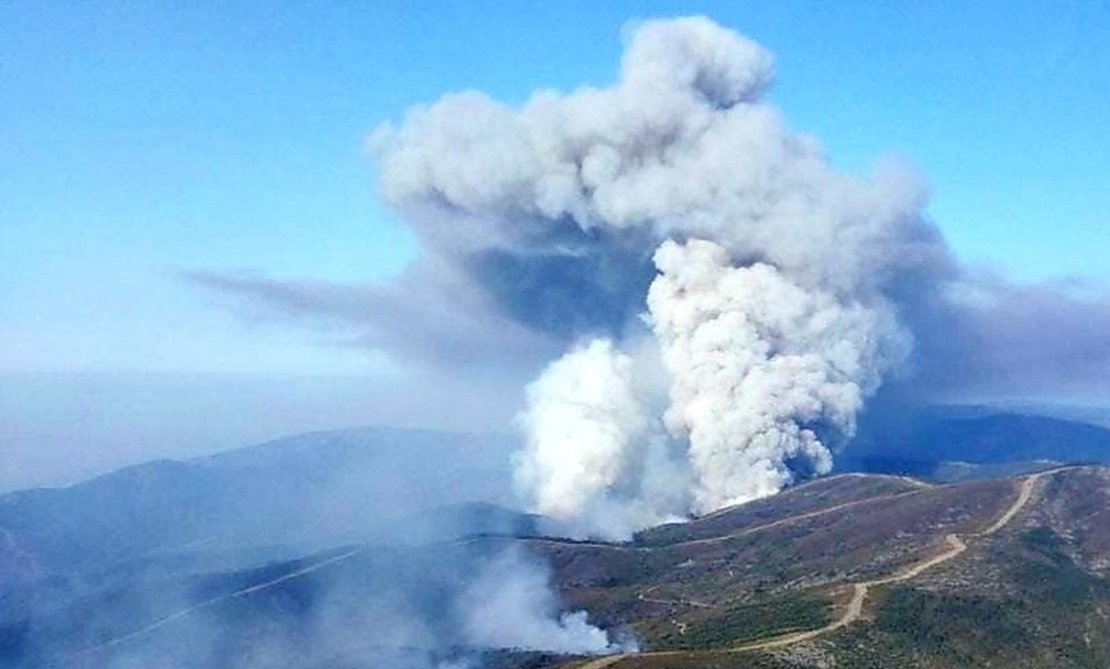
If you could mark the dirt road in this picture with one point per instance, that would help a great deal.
(860, 590)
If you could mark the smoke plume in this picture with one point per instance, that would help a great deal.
(511, 605)
(593, 450)
(584, 404)
(724, 299)
(758, 366)
(771, 275)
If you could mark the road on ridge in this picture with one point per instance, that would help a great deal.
(860, 590)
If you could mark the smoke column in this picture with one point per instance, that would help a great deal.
(758, 363)
(674, 207)
(584, 406)
(593, 446)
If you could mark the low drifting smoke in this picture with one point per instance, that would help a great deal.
(441, 605)
(511, 605)
(675, 205)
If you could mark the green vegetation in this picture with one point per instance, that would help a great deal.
(747, 623)
(1051, 575)
(943, 625)
(1049, 619)
(714, 660)
(1028, 598)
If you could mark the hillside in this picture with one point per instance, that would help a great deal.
(308, 491)
(351, 549)
(1010, 573)
(847, 571)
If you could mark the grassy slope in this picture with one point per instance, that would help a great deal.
(1034, 595)
(774, 567)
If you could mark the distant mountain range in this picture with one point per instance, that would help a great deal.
(960, 442)
(307, 491)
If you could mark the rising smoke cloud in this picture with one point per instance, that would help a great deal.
(594, 457)
(725, 301)
(758, 365)
(584, 405)
(771, 273)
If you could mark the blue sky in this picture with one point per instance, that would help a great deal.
(138, 140)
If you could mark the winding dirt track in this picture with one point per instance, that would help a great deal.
(852, 612)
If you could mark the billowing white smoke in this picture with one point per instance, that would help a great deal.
(592, 446)
(771, 309)
(757, 362)
(583, 421)
(511, 605)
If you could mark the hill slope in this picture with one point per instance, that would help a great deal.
(310, 490)
(847, 571)
(1002, 573)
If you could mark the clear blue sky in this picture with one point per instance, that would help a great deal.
(138, 139)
